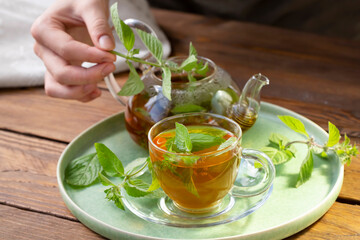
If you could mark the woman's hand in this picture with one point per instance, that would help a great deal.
(68, 34)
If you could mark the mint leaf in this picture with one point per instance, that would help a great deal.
(182, 138)
(201, 141)
(189, 160)
(155, 184)
(153, 44)
(113, 194)
(258, 165)
(124, 32)
(227, 143)
(334, 135)
(345, 151)
(277, 156)
(191, 78)
(105, 181)
(306, 169)
(187, 108)
(189, 63)
(192, 50)
(202, 69)
(166, 83)
(294, 124)
(189, 182)
(133, 85)
(83, 171)
(109, 161)
(134, 190)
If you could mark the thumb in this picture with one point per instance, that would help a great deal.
(96, 20)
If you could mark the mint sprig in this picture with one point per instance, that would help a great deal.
(103, 166)
(281, 150)
(134, 85)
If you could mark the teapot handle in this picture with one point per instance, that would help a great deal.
(110, 81)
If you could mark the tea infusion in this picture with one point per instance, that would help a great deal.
(201, 178)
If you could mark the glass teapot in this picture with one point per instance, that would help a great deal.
(216, 93)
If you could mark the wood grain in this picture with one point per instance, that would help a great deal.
(19, 224)
(31, 111)
(315, 76)
(28, 174)
(300, 66)
(342, 221)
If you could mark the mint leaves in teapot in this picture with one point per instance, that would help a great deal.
(192, 65)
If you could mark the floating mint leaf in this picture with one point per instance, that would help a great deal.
(182, 138)
(155, 184)
(124, 32)
(83, 171)
(189, 182)
(133, 85)
(227, 143)
(294, 124)
(201, 141)
(334, 135)
(190, 160)
(166, 82)
(306, 169)
(109, 161)
(153, 44)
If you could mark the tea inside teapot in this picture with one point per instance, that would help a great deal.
(150, 106)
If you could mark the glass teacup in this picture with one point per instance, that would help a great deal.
(198, 181)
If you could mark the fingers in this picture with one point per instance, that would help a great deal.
(66, 74)
(83, 93)
(96, 20)
(66, 47)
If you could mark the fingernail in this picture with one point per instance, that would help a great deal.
(106, 42)
(108, 69)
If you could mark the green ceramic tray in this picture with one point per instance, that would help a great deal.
(287, 211)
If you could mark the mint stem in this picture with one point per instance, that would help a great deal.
(133, 174)
(293, 142)
(139, 60)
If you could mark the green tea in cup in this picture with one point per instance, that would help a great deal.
(196, 157)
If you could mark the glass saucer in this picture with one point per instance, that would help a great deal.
(159, 208)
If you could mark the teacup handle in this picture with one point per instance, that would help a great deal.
(110, 81)
(256, 174)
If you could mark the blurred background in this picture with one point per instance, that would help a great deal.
(335, 18)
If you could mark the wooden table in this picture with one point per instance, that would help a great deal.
(316, 76)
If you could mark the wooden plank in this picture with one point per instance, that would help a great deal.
(346, 121)
(300, 66)
(31, 111)
(20, 224)
(28, 174)
(342, 221)
(64, 119)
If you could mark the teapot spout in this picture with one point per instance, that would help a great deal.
(252, 88)
(245, 111)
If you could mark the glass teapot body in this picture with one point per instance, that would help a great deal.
(214, 93)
